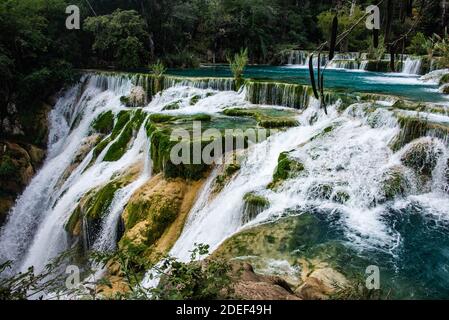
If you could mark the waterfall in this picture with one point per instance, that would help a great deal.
(276, 93)
(221, 84)
(34, 230)
(345, 155)
(412, 65)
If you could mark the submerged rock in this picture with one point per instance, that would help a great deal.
(320, 191)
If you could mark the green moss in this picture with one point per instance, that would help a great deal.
(125, 101)
(73, 221)
(160, 117)
(254, 204)
(286, 169)
(122, 119)
(201, 117)
(255, 200)
(341, 197)
(325, 132)
(394, 183)
(119, 147)
(266, 118)
(104, 122)
(422, 156)
(194, 100)
(222, 179)
(172, 106)
(414, 127)
(100, 147)
(444, 79)
(100, 200)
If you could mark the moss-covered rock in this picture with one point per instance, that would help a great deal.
(136, 98)
(104, 122)
(266, 118)
(188, 165)
(320, 190)
(155, 215)
(444, 89)
(18, 164)
(86, 219)
(287, 168)
(229, 170)
(444, 79)
(422, 156)
(172, 106)
(394, 183)
(415, 127)
(277, 93)
(119, 147)
(341, 196)
(194, 99)
(254, 204)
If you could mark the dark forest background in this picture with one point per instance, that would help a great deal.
(38, 54)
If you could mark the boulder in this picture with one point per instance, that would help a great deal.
(422, 155)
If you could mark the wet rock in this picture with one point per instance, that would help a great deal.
(394, 183)
(249, 285)
(320, 191)
(321, 283)
(155, 216)
(444, 89)
(287, 168)
(254, 204)
(136, 98)
(422, 156)
(17, 168)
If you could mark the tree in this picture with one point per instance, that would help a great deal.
(119, 37)
(237, 66)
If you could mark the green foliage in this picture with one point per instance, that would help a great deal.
(442, 50)
(357, 38)
(419, 44)
(195, 280)
(120, 37)
(378, 53)
(237, 66)
(28, 284)
(158, 69)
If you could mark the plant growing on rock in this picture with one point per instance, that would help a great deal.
(237, 65)
(158, 70)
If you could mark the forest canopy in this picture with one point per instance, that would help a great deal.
(38, 53)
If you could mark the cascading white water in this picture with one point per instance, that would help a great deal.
(34, 231)
(350, 159)
(411, 65)
(345, 152)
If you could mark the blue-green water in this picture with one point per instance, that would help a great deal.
(407, 86)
